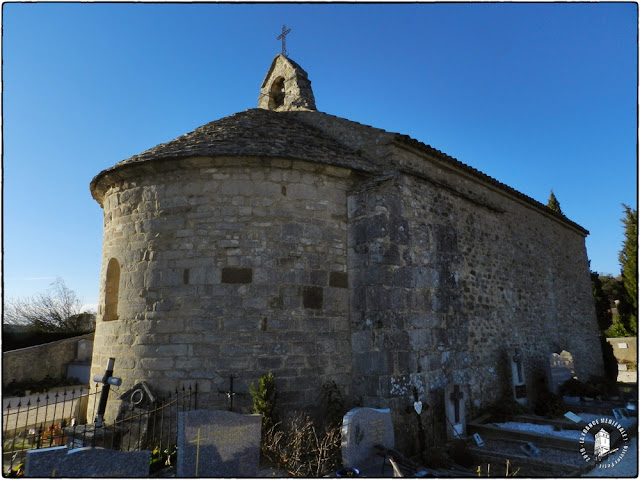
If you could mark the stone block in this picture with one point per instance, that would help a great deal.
(339, 279)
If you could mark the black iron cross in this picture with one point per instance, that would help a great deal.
(230, 393)
(283, 37)
(106, 380)
(456, 396)
(517, 358)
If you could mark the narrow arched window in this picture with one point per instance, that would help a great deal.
(111, 290)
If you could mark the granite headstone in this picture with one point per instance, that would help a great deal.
(218, 444)
(560, 370)
(363, 429)
(86, 462)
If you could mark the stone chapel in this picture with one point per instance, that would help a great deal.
(282, 239)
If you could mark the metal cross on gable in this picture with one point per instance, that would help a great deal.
(283, 37)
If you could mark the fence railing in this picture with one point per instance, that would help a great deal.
(49, 420)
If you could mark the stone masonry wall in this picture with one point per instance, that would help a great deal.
(447, 276)
(229, 267)
(38, 361)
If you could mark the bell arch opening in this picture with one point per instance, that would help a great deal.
(277, 94)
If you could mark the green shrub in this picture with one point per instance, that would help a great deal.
(265, 400)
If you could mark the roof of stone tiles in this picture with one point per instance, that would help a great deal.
(256, 132)
(264, 133)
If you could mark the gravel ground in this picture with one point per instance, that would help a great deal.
(546, 454)
(541, 429)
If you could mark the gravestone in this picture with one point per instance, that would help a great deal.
(86, 462)
(560, 369)
(454, 411)
(84, 350)
(80, 367)
(218, 444)
(362, 429)
(133, 411)
(518, 384)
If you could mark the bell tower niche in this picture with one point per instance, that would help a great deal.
(286, 87)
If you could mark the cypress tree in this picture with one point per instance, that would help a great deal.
(628, 258)
(553, 203)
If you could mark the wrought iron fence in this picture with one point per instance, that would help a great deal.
(57, 419)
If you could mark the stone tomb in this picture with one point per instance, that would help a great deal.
(363, 429)
(455, 412)
(560, 369)
(86, 462)
(518, 384)
(218, 444)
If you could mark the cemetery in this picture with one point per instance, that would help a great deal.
(530, 431)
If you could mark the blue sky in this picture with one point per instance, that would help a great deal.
(539, 96)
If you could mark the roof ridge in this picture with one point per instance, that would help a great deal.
(406, 139)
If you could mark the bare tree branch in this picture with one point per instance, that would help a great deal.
(59, 309)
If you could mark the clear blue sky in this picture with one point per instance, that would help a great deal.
(539, 96)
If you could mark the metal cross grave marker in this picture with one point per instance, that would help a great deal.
(517, 358)
(456, 396)
(283, 37)
(106, 380)
(229, 393)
